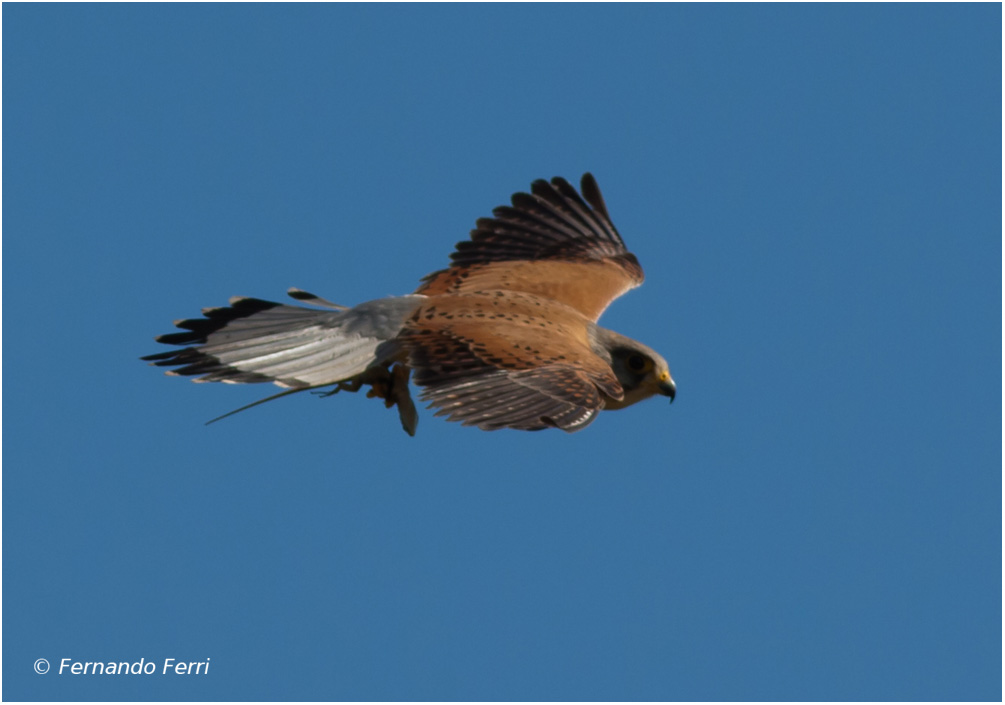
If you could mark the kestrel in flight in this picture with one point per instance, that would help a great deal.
(506, 337)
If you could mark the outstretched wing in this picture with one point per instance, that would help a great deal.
(550, 242)
(497, 374)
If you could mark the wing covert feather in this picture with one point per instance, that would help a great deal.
(505, 374)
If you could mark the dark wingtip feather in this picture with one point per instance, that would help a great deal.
(591, 192)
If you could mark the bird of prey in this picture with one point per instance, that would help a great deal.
(505, 337)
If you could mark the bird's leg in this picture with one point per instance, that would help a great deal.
(381, 386)
(391, 385)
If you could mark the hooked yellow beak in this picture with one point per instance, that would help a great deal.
(667, 387)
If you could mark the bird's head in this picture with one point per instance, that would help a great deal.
(641, 370)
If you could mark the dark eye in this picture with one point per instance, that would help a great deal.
(636, 363)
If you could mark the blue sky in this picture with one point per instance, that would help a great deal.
(814, 192)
